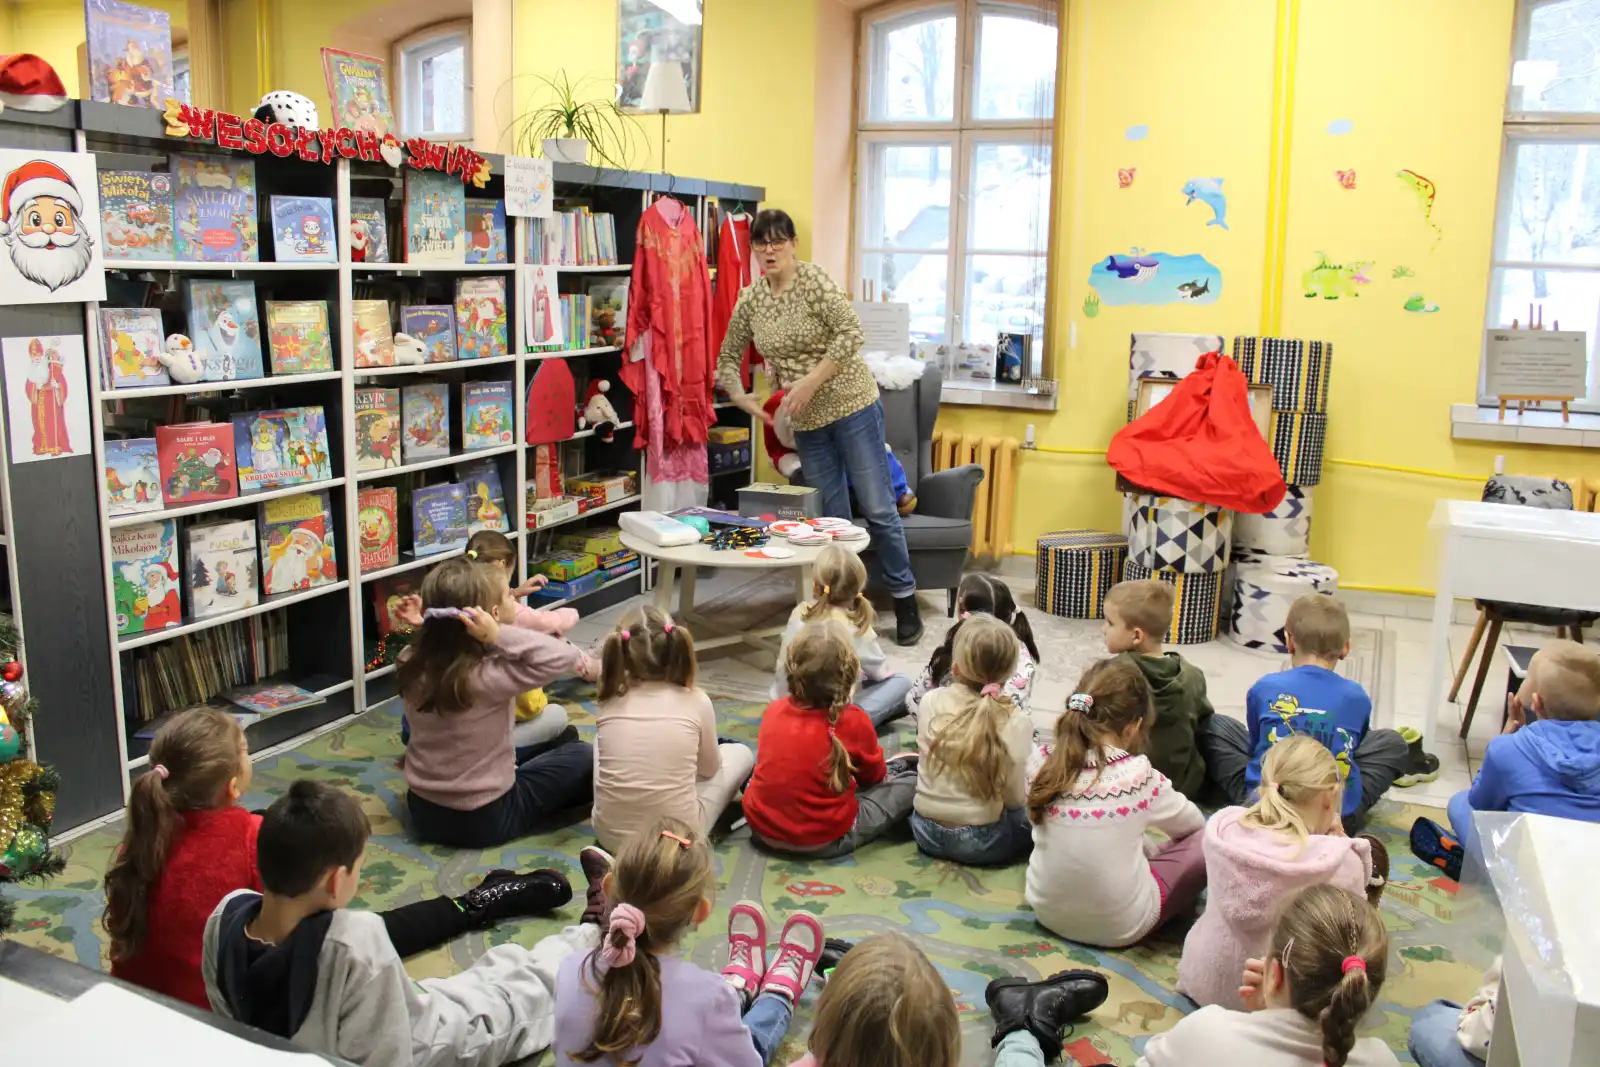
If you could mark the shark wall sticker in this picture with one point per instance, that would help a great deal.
(1148, 279)
(1209, 192)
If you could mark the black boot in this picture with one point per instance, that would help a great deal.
(596, 863)
(1044, 1008)
(508, 895)
(907, 620)
(833, 950)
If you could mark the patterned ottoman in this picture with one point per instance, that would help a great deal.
(1169, 533)
(1264, 589)
(1196, 613)
(1283, 531)
(1075, 569)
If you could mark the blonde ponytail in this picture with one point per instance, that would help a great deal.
(1297, 771)
(970, 745)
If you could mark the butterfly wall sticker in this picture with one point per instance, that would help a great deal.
(1347, 178)
(1125, 176)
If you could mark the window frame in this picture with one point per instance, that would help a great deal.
(962, 134)
(440, 38)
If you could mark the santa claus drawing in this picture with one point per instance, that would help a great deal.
(163, 608)
(46, 390)
(300, 565)
(41, 219)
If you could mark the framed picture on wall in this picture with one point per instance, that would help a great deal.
(1153, 391)
(651, 32)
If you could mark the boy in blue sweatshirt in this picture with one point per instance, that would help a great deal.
(1547, 761)
(1310, 698)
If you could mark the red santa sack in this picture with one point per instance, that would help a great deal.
(1201, 444)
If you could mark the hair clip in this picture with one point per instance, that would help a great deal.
(1080, 702)
(826, 589)
(160, 771)
(666, 627)
(445, 613)
(670, 836)
(625, 634)
(990, 689)
(1352, 963)
(833, 735)
(1288, 947)
(472, 553)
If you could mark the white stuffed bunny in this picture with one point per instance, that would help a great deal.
(408, 351)
(181, 360)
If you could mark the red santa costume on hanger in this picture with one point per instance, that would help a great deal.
(734, 272)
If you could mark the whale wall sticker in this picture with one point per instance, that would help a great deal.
(1149, 279)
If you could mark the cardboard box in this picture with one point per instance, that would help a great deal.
(551, 510)
(572, 587)
(616, 559)
(763, 500)
(728, 435)
(620, 570)
(564, 566)
(729, 457)
(604, 487)
(599, 540)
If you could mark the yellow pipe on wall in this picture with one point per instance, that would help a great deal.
(1419, 471)
(1284, 61)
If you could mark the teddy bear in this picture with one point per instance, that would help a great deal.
(597, 411)
(181, 360)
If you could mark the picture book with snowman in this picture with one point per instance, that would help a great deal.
(302, 230)
(133, 476)
(298, 543)
(275, 449)
(225, 328)
(130, 339)
(220, 568)
(144, 576)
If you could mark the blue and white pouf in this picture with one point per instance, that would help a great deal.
(1265, 587)
(1283, 531)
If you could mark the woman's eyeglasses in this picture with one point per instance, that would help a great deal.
(769, 246)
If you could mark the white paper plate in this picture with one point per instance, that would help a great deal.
(770, 552)
(828, 522)
(809, 540)
(850, 533)
(785, 527)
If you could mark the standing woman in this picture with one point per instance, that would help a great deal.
(807, 332)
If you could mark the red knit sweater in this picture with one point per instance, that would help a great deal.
(788, 800)
(214, 855)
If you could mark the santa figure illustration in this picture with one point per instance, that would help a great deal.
(41, 221)
(163, 607)
(300, 564)
(46, 390)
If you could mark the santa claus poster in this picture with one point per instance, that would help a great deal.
(50, 224)
(47, 397)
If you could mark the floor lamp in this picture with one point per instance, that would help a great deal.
(665, 91)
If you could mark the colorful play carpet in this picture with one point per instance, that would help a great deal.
(972, 923)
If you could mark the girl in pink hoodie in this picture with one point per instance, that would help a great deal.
(1258, 856)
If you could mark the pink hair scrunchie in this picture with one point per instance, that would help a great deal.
(991, 689)
(629, 921)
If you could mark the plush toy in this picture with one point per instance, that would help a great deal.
(408, 351)
(289, 108)
(181, 360)
(597, 411)
(779, 437)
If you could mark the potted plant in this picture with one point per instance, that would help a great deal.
(568, 127)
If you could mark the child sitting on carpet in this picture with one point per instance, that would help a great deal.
(1309, 698)
(821, 786)
(1257, 857)
(1138, 615)
(293, 961)
(972, 777)
(459, 682)
(656, 734)
(1091, 800)
(634, 1001)
(838, 587)
(1325, 965)
(982, 594)
(188, 844)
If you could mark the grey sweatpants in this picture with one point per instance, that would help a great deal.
(878, 807)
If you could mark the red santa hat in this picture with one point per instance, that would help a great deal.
(596, 387)
(28, 83)
(160, 565)
(32, 180)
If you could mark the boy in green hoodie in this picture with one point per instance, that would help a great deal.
(1138, 615)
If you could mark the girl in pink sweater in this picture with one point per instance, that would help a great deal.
(1257, 857)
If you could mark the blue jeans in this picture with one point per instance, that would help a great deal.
(884, 701)
(977, 846)
(768, 1020)
(1433, 1037)
(1466, 831)
(1019, 1049)
(849, 452)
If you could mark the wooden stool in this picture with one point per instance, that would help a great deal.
(1494, 615)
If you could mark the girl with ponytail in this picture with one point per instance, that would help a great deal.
(1258, 856)
(633, 1003)
(821, 786)
(656, 734)
(972, 780)
(1092, 798)
(982, 594)
(1324, 966)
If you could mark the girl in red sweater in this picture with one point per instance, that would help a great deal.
(821, 785)
(188, 844)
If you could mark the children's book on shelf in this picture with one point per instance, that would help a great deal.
(196, 462)
(130, 339)
(302, 230)
(268, 698)
(358, 85)
(197, 668)
(130, 54)
(144, 576)
(276, 449)
(369, 230)
(436, 223)
(214, 210)
(486, 501)
(377, 428)
(387, 593)
(435, 326)
(297, 334)
(220, 568)
(425, 421)
(486, 230)
(136, 214)
(608, 314)
(133, 476)
(375, 525)
(374, 334)
(224, 328)
(486, 416)
(480, 317)
(298, 543)
(438, 519)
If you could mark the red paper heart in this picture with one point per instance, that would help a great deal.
(552, 404)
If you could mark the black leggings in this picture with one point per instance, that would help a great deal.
(415, 928)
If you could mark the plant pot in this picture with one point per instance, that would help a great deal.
(566, 149)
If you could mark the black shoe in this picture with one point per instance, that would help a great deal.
(833, 950)
(1420, 766)
(1044, 1008)
(508, 895)
(907, 620)
(596, 863)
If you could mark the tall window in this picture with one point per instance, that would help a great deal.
(435, 82)
(1547, 233)
(953, 164)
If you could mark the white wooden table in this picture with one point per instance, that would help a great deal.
(677, 569)
(1506, 552)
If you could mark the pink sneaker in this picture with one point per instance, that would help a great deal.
(747, 948)
(798, 951)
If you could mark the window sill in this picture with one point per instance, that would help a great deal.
(1469, 422)
(973, 392)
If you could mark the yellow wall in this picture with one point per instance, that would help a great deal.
(1424, 84)
(53, 30)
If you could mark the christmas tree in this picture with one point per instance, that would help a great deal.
(27, 790)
